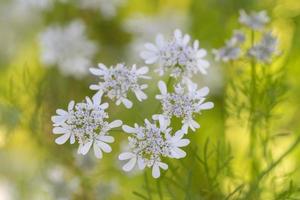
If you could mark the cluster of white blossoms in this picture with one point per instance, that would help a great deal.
(176, 56)
(117, 81)
(85, 122)
(183, 104)
(236, 47)
(150, 144)
(68, 48)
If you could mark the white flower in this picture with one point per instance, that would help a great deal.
(150, 143)
(255, 20)
(264, 50)
(108, 8)
(85, 123)
(142, 27)
(68, 48)
(117, 81)
(176, 55)
(182, 104)
(232, 49)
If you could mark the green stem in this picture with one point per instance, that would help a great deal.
(252, 119)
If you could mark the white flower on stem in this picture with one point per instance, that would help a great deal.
(254, 20)
(232, 49)
(176, 56)
(68, 48)
(116, 82)
(265, 49)
(150, 143)
(85, 123)
(183, 104)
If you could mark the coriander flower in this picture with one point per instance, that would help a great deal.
(68, 48)
(182, 104)
(264, 50)
(176, 55)
(85, 123)
(232, 49)
(150, 143)
(254, 20)
(118, 80)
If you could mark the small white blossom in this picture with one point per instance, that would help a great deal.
(150, 143)
(182, 104)
(254, 20)
(232, 49)
(265, 49)
(176, 55)
(108, 8)
(68, 48)
(85, 123)
(118, 80)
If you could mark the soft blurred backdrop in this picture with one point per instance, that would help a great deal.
(35, 80)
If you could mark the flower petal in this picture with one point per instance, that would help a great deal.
(130, 164)
(62, 139)
(116, 123)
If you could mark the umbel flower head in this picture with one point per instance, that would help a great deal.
(232, 49)
(68, 48)
(85, 123)
(183, 104)
(265, 49)
(254, 20)
(176, 56)
(118, 80)
(150, 143)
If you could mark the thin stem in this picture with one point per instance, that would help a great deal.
(252, 119)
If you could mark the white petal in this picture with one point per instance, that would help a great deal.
(104, 106)
(141, 163)
(160, 41)
(58, 119)
(97, 151)
(182, 143)
(126, 156)
(59, 130)
(97, 72)
(140, 95)
(94, 87)
(115, 124)
(178, 153)
(61, 112)
(162, 87)
(155, 171)
(163, 165)
(127, 103)
(72, 139)
(106, 138)
(71, 105)
(102, 66)
(62, 139)
(206, 106)
(128, 129)
(143, 70)
(105, 147)
(203, 91)
(130, 164)
(86, 147)
(97, 98)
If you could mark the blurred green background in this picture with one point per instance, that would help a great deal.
(217, 167)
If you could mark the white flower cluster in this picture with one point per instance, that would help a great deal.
(119, 80)
(68, 48)
(182, 104)
(176, 55)
(85, 123)
(150, 143)
(261, 52)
